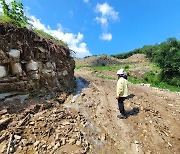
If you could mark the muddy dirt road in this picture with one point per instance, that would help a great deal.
(152, 126)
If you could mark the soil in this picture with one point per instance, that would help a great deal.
(152, 125)
(87, 121)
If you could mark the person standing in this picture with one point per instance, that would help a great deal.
(122, 92)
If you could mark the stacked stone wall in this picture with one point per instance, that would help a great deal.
(30, 62)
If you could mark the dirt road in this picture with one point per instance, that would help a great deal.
(152, 126)
(87, 121)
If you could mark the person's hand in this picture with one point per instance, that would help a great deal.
(117, 97)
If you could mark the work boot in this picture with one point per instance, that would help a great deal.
(121, 116)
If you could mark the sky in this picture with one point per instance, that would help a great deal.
(93, 27)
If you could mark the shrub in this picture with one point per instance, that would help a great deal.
(15, 12)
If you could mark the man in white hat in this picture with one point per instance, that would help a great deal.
(122, 92)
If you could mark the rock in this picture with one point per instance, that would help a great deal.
(63, 141)
(17, 137)
(2, 112)
(40, 119)
(57, 145)
(57, 136)
(78, 143)
(65, 73)
(72, 141)
(31, 66)
(44, 146)
(103, 137)
(16, 68)
(36, 143)
(3, 71)
(24, 142)
(14, 53)
(83, 94)
(32, 123)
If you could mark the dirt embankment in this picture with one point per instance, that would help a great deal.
(29, 62)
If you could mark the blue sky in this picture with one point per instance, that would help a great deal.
(92, 27)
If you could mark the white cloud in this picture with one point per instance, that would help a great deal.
(106, 36)
(103, 21)
(74, 41)
(107, 11)
(86, 1)
(107, 14)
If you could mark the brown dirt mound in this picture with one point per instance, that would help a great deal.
(137, 58)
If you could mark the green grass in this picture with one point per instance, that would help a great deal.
(163, 85)
(46, 35)
(102, 68)
(77, 66)
(134, 80)
(5, 19)
(102, 76)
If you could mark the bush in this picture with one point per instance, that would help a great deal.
(15, 12)
(126, 67)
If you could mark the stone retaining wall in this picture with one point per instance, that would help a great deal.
(29, 62)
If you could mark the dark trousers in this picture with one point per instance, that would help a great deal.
(121, 105)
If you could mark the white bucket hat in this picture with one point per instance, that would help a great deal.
(121, 71)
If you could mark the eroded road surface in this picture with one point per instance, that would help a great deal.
(152, 126)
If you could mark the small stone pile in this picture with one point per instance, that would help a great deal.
(105, 60)
(43, 130)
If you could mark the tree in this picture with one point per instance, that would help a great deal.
(15, 12)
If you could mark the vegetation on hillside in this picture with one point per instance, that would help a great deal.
(166, 55)
(13, 13)
(127, 54)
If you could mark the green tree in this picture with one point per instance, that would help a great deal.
(15, 12)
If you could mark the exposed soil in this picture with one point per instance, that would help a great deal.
(87, 122)
(153, 117)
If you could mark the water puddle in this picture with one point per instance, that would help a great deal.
(89, 126)
(81, 84)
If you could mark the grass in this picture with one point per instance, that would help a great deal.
(102, 76)
(134, 80)
(46, 35)
(103, 68)
(5, 19)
